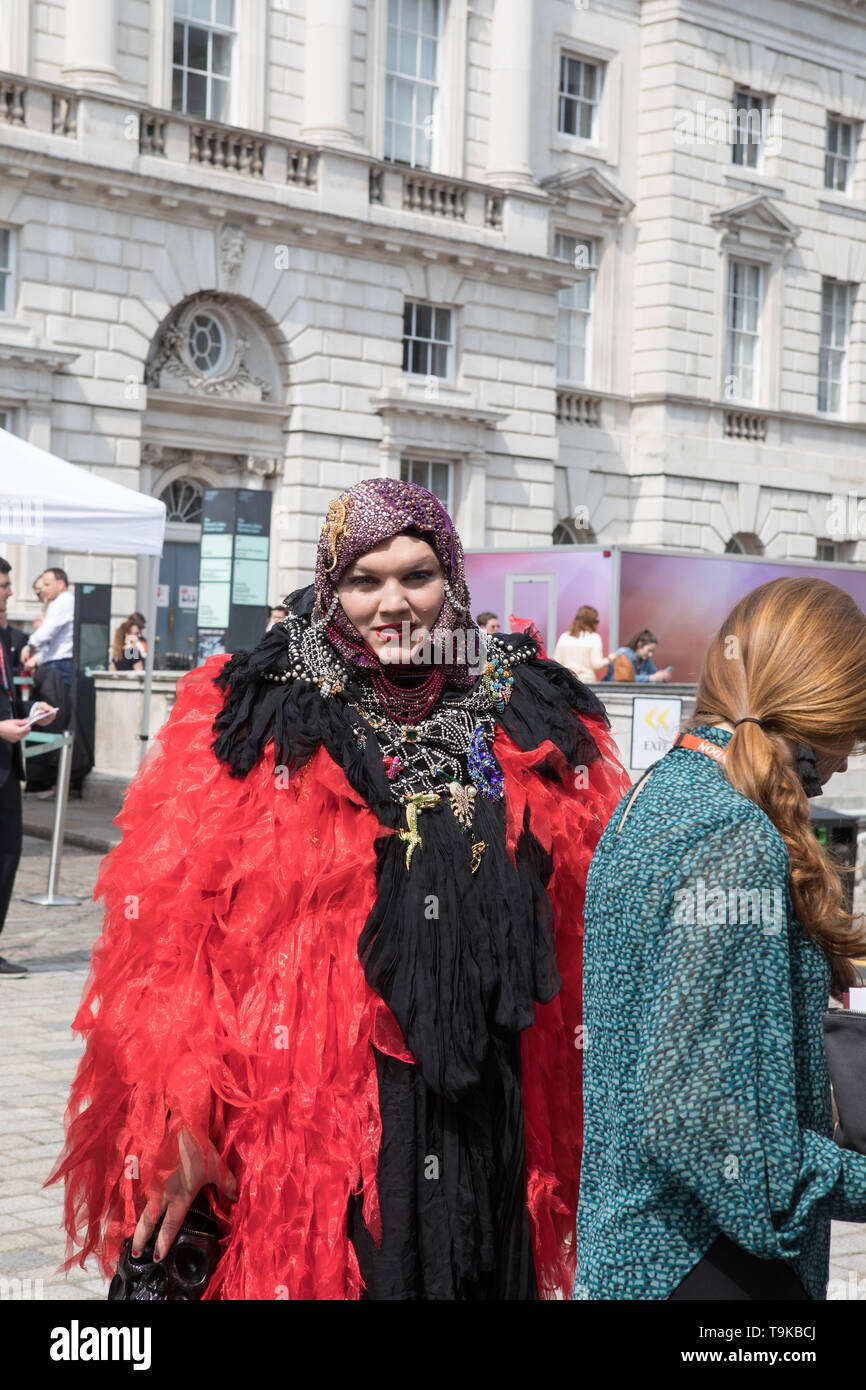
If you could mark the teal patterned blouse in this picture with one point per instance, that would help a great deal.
(706, 1095)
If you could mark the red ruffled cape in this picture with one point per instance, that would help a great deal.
(226, 989)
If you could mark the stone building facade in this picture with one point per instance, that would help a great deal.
(592, 271)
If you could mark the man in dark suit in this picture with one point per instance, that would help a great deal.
(12, 730)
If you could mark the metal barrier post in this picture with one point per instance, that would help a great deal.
(51, 898)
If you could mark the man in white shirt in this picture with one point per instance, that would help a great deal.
(52, 642)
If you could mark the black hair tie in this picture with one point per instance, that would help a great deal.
(747, 719)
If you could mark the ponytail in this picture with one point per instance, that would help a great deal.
(761, 767)
(792, 654)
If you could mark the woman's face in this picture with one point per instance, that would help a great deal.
(645, 650)
(134, 632)
(393, 595)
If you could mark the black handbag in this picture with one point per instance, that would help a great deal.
(845, 1046)
(184, 1273)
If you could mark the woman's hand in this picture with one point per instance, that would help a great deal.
(187, 1180)
(13, 730)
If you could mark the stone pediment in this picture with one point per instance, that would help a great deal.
(756, 222)
(589, 186)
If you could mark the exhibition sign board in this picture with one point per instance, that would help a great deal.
(232, 594)
(655, 723)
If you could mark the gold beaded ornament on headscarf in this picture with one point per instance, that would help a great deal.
(334, 527)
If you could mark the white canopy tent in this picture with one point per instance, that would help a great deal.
(46, 501)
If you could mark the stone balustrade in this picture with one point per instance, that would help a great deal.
(120, 136)
(578, 408)
(750, 425)
(38, 106)
(431, 195)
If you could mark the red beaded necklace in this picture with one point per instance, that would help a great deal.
(407, 705)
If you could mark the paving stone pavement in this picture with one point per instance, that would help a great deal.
(39, 1062)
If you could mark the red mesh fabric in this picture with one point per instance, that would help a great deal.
(210, 1007)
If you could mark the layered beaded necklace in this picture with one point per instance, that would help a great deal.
(434, 744)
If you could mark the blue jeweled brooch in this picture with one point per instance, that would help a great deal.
(483, 768)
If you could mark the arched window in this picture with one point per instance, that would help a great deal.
(564, 533)
(182, 500)
(744, 543)
(207, 341)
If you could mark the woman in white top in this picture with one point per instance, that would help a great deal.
(580, 649)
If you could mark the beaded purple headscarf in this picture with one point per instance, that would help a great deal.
(366, 515)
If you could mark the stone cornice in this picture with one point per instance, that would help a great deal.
(262, 216)
(451, 405)
(44, 358)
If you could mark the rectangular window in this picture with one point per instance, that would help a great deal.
(201, 71)
(427, 340)
(750, 113)
(744, 314)
(436, 477)
(579, 92)
(839, 145)
(833, 350)
(412, 82)
(574, 315)
(6, 271)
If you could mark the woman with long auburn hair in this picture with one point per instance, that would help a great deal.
(709, 1167)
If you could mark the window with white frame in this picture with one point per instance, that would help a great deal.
(749, 117)
(6, 270)
(839, 145)
(412, 82)
(833, 349)
(428, 340)
(436, 476)
(579, 95)
(743, 329)
(203, 54)
(574, 313)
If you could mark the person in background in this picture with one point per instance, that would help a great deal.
(13, 727)
(488, 622)
(580, 648)
(37, 622)
(16, 640)
(276, 614)
(126, 652)
(709, 1167)
(634, 662)
(53, 640)
(139, 618)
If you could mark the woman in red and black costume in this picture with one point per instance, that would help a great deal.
(340, 977)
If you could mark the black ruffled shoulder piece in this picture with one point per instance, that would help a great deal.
(257, 708)
(547, 702)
